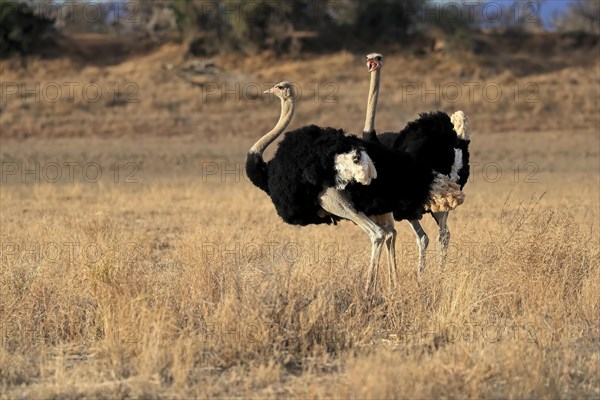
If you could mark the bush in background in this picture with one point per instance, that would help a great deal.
(21, 30)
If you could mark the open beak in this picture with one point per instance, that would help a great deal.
(372, 65)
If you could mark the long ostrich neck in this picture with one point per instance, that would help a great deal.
(287, 112)
(372, 101)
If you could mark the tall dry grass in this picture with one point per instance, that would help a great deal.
(189, 285)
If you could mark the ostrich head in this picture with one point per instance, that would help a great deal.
(374, 61)
(284, 90)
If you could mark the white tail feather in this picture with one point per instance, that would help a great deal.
(461, 125)
(457, 165)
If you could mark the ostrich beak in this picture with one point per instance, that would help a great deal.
(372, 65)
(273, 90)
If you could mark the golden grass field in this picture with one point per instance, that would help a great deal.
(144, 264)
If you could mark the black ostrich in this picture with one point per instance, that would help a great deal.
(441, 144)
(310, 162)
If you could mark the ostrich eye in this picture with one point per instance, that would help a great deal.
(378, 58)
(356, 158)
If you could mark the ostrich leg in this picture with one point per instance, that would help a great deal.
(336, 203)
(443, 238)
(422, 243)
(386, 221)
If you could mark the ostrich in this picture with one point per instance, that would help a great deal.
(438, 141)
(312, 165)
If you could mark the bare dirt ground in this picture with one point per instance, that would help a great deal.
(138, 261)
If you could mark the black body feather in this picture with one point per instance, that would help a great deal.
(431, 140)
(429, 143)
(402, 185)
(301, 168)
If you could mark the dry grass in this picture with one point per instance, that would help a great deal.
(185, 283)
(175, 287)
